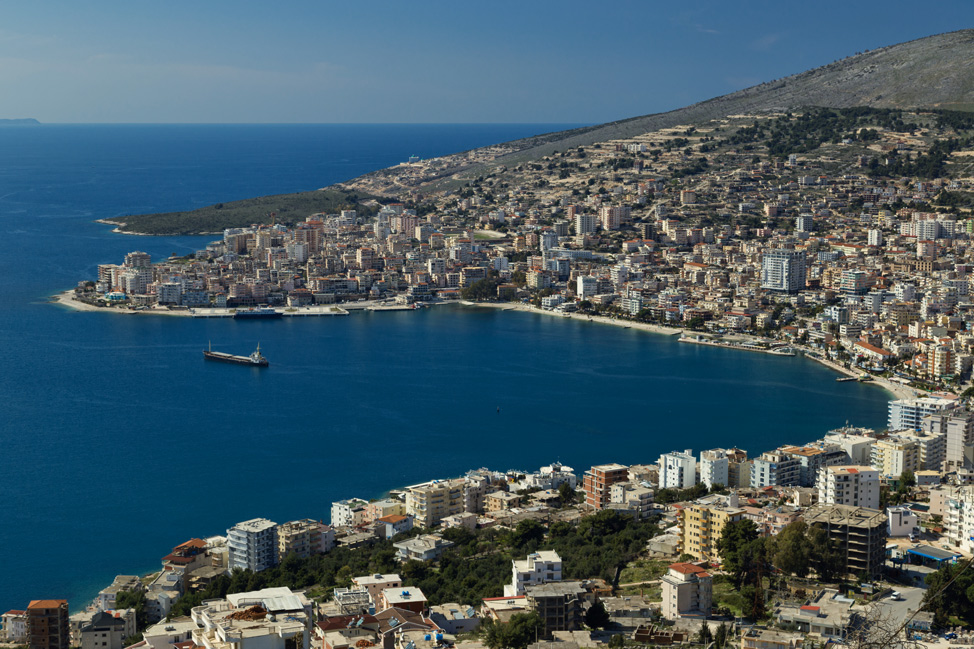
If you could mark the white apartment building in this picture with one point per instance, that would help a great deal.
(783, 270)
(253, 545)
(14, 627)
(959, 518)
(677, 470)
(901, 521)
(287, 624)
(908, 414)
(857, 447)
(585, 223)
(714, 466)
(857, 486)
(957, 427)
(348, 513)
(538, 568)
(586, 286)
(559, 474)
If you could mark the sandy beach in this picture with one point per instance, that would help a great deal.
(898, 390)
(627, 324)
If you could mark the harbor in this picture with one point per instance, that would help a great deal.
(780, 350)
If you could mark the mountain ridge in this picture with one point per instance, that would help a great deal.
(930, 72)
(856, 80)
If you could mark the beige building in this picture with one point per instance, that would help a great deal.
(430, 503)
(106, 631)
(500, 501)
(377, 583)
(701, 523)
(382, 508)
(687, 590)
(304, 538)
(891, 457)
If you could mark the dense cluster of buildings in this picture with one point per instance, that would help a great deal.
(862, 268)
(813, 248)
(838, 484)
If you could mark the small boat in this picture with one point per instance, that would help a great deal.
(256, 359)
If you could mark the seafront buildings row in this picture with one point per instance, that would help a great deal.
(841, 483)
(862, 268)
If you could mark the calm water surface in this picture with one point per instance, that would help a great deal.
(119, 442)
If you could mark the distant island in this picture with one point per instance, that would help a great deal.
(27, 121)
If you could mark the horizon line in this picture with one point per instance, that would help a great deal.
(40, 123)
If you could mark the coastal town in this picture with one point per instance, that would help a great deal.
(854, 250)
(861, 534)
(842, 235)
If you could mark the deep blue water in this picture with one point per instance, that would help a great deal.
(119, 442)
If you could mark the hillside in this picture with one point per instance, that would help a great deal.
(932, 72)
(287, 209)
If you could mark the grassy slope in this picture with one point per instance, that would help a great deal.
(289, 209)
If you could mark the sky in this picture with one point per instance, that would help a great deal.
(385, 61)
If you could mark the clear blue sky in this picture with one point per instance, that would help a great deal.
(417, 61)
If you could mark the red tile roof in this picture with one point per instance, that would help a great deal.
(689, 569)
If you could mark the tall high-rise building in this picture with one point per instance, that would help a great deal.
(585, 223)
(908, 414)
(857, 486)
(677, 470)
(783, 270)
(714, 466)
(47, 624)
(598, 480)
(253, 545)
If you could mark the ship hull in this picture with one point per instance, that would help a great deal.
(235, 360)
(257, 314)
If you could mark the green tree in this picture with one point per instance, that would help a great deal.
(566, 494)
(704, 636)
(720, 636)
(597, 617)
(527, 533)
(134, 599)
(794, 549)
(950, 593)
(518, 633)
(733, 547)
(826, 556)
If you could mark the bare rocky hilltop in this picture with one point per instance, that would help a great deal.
(932, 72)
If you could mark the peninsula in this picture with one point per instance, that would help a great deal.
(842, 231)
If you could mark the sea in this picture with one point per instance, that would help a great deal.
(118, 442)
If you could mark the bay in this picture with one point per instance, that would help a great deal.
(119, 442)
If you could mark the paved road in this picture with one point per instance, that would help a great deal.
(912, 598)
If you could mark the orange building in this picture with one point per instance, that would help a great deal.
(598, 481)
(47, 624)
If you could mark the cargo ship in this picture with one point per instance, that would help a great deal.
(255, 313)
(256, 359)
